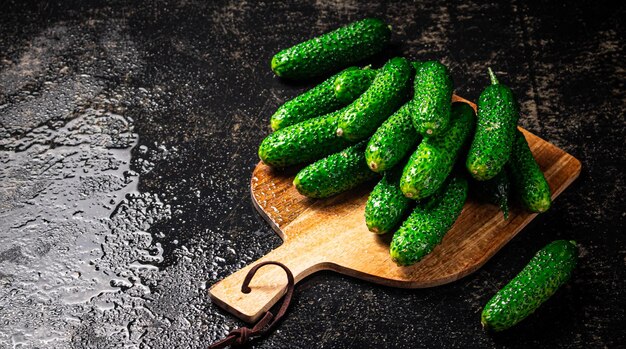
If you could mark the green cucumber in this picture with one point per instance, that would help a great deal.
(494, 191)
(332, 51)
(387, 92)
(392, 141)
(428, 223)
(432, 97)
(334, 174)
(386, 205)
(349, 85)
(548, 270)
(529, 183)
(303, 142)
(495, 130)
(318, 101)
(432, 162)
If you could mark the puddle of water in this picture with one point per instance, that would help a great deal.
(72, 224)
(79, 258)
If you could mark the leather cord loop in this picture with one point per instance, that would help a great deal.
(242, 335)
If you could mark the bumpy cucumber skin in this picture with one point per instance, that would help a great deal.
(303, 142)
(386, 205)
(495, 130)
(387, 92)
(529, 183)
(333, 50)
(334, 174)
(495, 191)
(432, 162)
(349, 85)
(392, 141)
(428, 223)
(548, 270)
(432, 97)
(318, 101)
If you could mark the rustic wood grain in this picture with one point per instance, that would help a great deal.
(331, 234)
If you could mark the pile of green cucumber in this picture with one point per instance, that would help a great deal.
(397, 125)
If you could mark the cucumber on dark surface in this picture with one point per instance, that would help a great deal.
(432, 97)
(529, 183)
(387, 92)
(548, 270)
(303, 142)
(392, 141)
(428, 223)
(432, 162)
(334, 174)
(386, 205)
(318, 101)
(332, 51)
(498, 114)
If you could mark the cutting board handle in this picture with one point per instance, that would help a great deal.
(268, 285)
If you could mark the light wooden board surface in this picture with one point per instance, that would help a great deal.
(330, 234)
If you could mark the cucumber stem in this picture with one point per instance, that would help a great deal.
(492, 76)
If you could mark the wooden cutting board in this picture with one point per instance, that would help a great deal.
(330, 234)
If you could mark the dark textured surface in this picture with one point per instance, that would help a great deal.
(128, 134)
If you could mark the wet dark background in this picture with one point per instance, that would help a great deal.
(128, 133)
